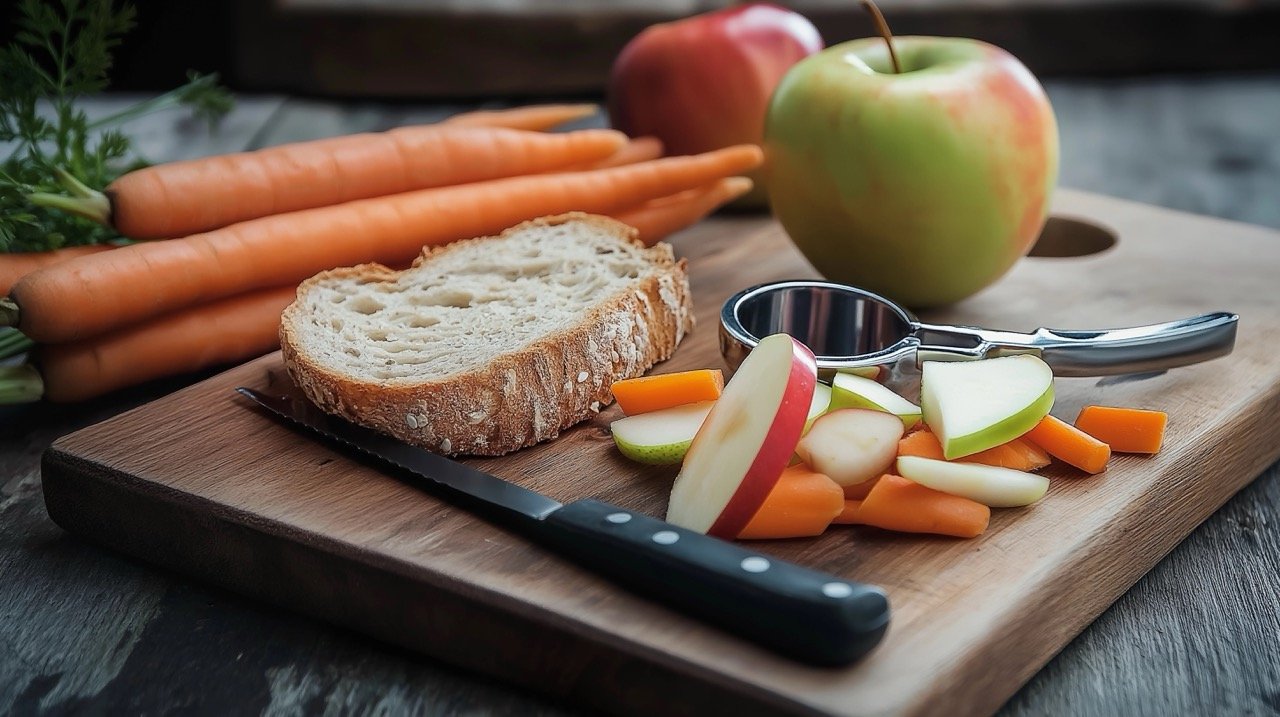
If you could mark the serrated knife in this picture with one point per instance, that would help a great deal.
(805, 614)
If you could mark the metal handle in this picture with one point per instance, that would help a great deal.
(1154, 347)
(804, 614)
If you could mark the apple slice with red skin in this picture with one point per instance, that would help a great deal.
(746, 441)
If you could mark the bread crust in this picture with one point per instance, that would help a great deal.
(519, 398)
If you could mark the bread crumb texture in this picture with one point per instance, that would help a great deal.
(489, 345)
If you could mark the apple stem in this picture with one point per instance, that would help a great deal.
(882, 27)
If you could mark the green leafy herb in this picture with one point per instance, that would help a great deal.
(62, 51)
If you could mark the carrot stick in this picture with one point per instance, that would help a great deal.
(1070, 444)
(660, 218)
(652, 393)
(801, 504)
(858, 491)
(849, 514)
(1126, 430)
(1017, 454)
(221, 332)
(181, 198)
(639, 149)
(921, 443)
(18, 264)
(93, 294)
(531, 117)
(907, 507)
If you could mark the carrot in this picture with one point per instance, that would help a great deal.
(221, 332)
(849, 514)
(17, 265)
(660, 218)
(1126, 430)
(1070, 444)
(907, 507)
(1017, 454)
(652, 393)
(181, 198)
(921, 443)
(801, 504)
(858, 491)
(93, 294)
(639, 149)
(531, 117)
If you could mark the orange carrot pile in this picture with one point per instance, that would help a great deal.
(17, 265)
(658, 219)
(1018, 454)
(802, 504)
(145, 280)
(901, 505)
(653, 393)
(1126, 430)
(534, 118)
(252, 225)
(182, 198)
(1070, 444)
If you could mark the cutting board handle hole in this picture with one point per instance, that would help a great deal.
(1065, 237)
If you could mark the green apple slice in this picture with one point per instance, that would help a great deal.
(850, 391)
(660, 437)
(989, 485)
(820, 404)
(975, 405)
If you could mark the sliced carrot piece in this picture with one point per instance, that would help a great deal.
(849, 516)
(651, 393)
(802, 504)
(898, 504)
(1017, 454)
(921, 443)
(1126, 430)
(859, 491)
(1070, 444)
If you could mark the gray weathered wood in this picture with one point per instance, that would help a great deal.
(82, 627)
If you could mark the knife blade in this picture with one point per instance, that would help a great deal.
(804, 614)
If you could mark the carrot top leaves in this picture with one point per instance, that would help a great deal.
(48, 146)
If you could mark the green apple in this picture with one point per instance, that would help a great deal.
(850, 391)
(975, 405)
(924, 186)
(989, 485)
(660, 437)
(820, 404)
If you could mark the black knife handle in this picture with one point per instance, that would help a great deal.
(807, 615)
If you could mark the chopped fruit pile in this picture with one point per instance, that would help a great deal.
(777, 454)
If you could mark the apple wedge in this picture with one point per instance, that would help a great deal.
(660, 437)
(746, 441)
(852, 445)
(975, 405)
(989, 485)
(820, 404)
(850, 391)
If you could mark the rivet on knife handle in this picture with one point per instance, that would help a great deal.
(805, 614)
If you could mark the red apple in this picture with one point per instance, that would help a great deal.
(704, 82)
(746, 441)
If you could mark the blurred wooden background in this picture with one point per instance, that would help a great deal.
(432, 49)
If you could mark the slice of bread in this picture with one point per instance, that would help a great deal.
(489, 345)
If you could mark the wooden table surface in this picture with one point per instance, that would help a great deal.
(83, 629)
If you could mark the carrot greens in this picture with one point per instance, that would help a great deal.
(53, 157)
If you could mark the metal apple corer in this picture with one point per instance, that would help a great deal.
(852, 330)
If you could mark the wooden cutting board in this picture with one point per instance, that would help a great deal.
(199, 483)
